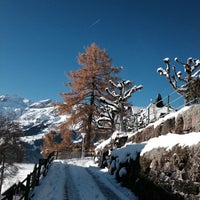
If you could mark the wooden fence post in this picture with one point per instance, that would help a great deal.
(2, 172)
(26, 197)
(45, 167)
(34, 177)
(38, 175)
(56, 154)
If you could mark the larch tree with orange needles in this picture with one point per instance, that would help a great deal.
(87, 85)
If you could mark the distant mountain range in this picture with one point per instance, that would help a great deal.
(34, 118)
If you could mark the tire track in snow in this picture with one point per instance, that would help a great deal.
(85, 182)
(80, 185)
(70, 189)
(107, 192)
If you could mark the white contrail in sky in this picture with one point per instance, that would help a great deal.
(93, 24)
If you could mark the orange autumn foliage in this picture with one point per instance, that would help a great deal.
(86, 86)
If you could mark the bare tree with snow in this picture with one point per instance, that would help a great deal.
(11, 149)
(116, 110)
(189, 85)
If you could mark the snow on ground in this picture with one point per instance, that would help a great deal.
(53, 185)
(23, 170)
(110, 182)
(129, 151)
(80, 179)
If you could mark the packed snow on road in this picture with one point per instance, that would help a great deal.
(79, 179)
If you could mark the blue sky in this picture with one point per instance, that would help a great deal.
(41, 39)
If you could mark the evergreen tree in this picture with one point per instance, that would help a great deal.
(86, 86)
(159, 102)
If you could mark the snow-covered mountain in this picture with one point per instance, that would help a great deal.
(29, 114)
(35, 119)
(12, 106)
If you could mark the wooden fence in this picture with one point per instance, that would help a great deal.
(75, 153)
(23, 189)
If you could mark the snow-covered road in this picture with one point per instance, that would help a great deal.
(80, 179)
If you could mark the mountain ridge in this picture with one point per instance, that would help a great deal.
(35, 119)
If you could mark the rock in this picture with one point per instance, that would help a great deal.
(191, 119)
(176, 171)
(163, 174)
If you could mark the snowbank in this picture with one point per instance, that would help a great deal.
(23, 170)
(170, 140)
(127, 152)
(164, 141)
(53, 185)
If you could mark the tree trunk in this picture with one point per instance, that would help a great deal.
(2, 172)
(90, 118)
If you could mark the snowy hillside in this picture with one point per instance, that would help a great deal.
(39, 114)
(35, 119)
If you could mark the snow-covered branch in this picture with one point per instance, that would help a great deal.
(113, 93)
(108, 102)
(196, 74)
(121, 93)
(175, 78)
(128, 93)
